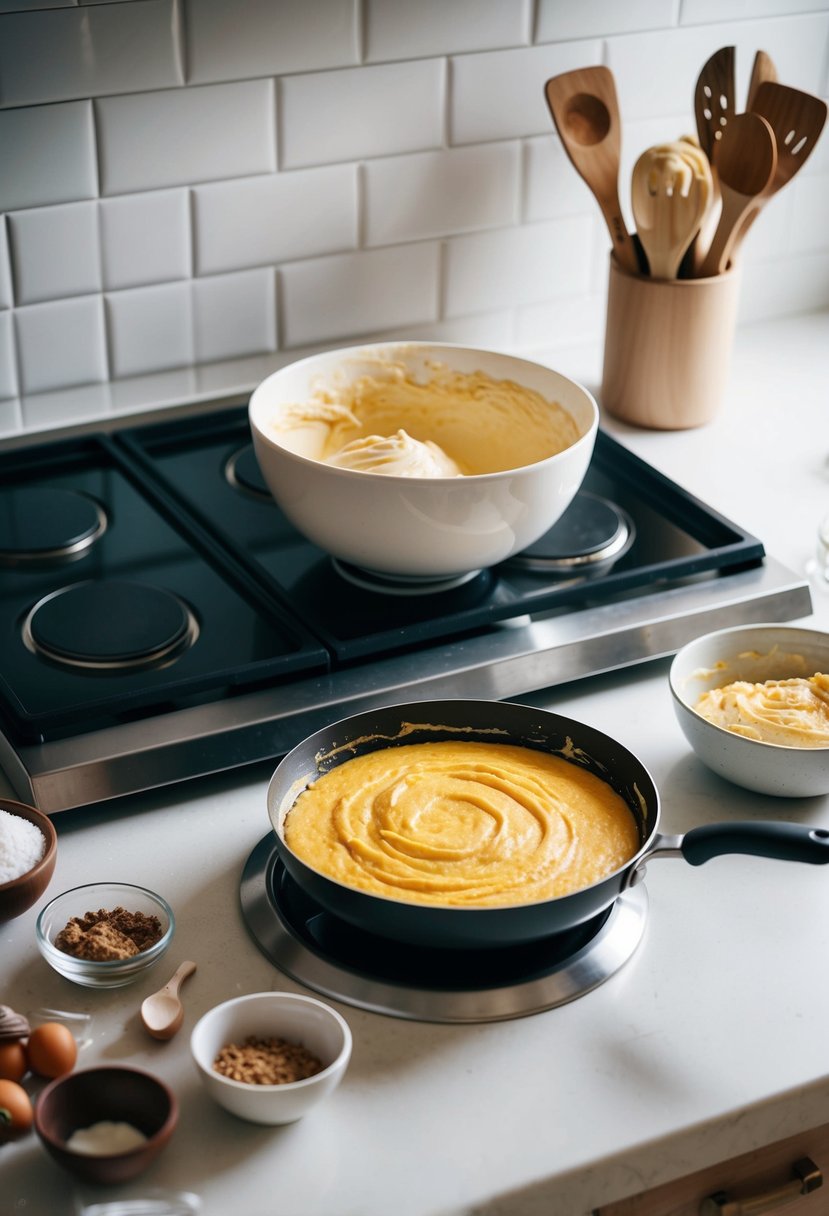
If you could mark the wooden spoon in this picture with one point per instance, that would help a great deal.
(671, 192)
(746, 159)
(796, 120)
(714, 99)
(585, 111)
(163, 1013)
(762, 69)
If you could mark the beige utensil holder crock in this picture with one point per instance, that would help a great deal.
(667, 348)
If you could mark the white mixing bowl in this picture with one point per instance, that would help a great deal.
(754, 653)
(419, 528)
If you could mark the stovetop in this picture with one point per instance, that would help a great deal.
(162, 619)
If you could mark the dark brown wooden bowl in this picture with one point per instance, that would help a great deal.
(19, 894)
(110, 1092)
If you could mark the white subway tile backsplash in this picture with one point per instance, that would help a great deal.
(55, 252)
(150, 329)
(358, 112)
(175, 137)
(517, 266)
(266, 38)
(500, 94)
(770, 236)
(11, 418)
(810, 207)
(47, 154)
(439, 193)
(553, 188)
(561, 323)
(398, 29)
(798, 284)
(8, 379)
(61, 344)
(234, 315)
(557, 22)
(674, 58)
(277, 218)
(489, 331)
(87, 403)
(6, 300)
(699, 12)
(145, 238)
(357, 293)
(60, 54)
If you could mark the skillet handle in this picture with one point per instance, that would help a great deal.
(783, 841)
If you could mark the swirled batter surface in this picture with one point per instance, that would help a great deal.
(791, 713)
(462, 823)
(454, 424)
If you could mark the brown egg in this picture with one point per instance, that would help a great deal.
(51, 1050)
(13, 1063)
(16, 1113)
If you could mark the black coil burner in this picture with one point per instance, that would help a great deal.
(431, 985)
(243, 473)
(110, 623)
(44, 524)
(591, 535)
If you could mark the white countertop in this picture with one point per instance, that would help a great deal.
(711, 1041)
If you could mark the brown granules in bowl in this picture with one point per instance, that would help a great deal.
(266, 1062)
(103, 935)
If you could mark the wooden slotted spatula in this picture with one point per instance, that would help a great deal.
(796, 120)
(714, 99)
(585, 111)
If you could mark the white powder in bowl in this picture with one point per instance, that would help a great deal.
(22, 844)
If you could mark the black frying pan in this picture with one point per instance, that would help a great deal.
(429, 925)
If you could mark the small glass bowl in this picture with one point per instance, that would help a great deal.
(111, 973)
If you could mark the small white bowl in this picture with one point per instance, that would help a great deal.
(755, 653)
(91, 973)
(420, 528)
(284, 1015)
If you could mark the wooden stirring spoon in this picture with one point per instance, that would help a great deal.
(745, 159)
(163, 1013)
(585, 111)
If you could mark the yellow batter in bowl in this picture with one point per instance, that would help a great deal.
(454, 424)
(790, 713)
(462, 824)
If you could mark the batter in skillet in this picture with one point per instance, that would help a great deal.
(462, 824)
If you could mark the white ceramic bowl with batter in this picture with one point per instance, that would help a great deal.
(754, 653)
(420, 528)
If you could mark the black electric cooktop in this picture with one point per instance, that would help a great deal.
(146, 575)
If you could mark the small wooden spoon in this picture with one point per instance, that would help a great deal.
(163, 1013)
(585, 111)
(746, 159)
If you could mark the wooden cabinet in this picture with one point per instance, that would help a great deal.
(765, 1180)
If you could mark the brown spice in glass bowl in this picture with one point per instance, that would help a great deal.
(266, 1061)
(103, 935)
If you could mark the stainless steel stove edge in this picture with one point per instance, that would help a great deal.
(499, 664)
